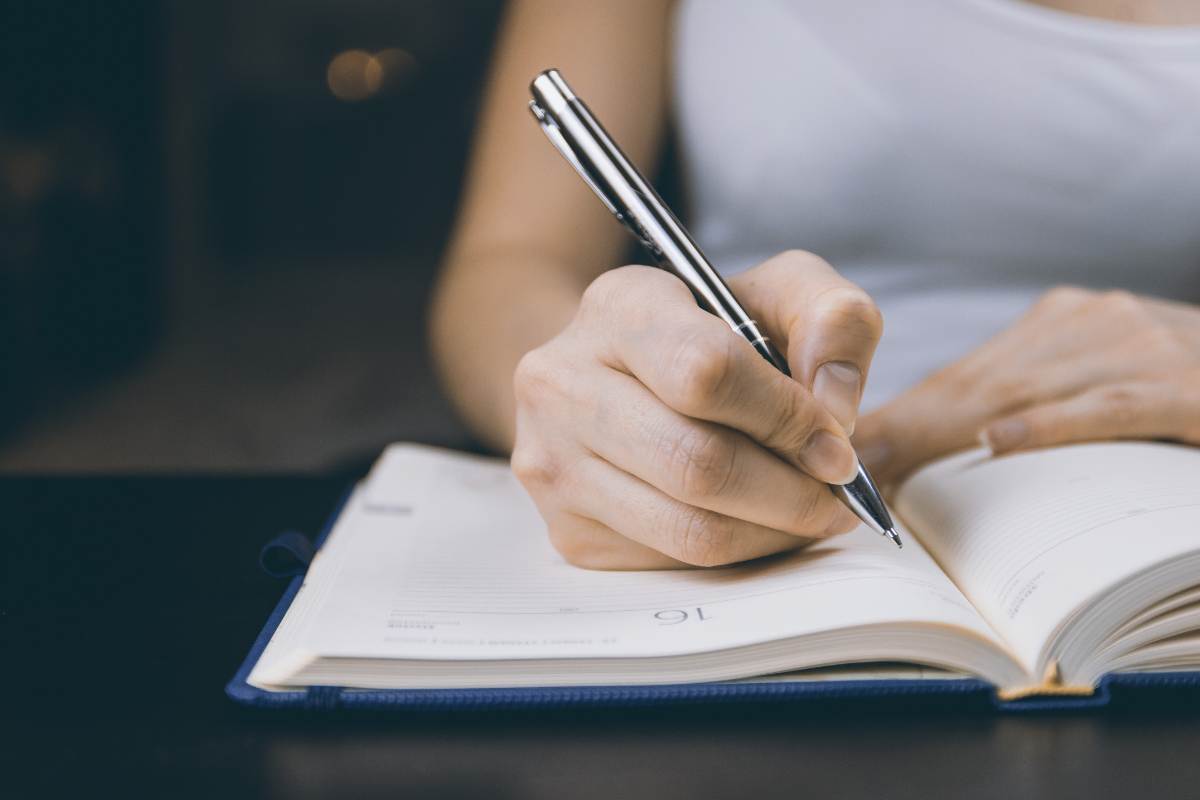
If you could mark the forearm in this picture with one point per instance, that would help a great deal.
(509, 284)
(489, 309)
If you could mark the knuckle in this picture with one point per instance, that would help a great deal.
(852, 311)
(702, 461)
(534, 467)
(789, 261)
(802, 258)
(702, 538)
(700, 369)
(535, 376)
(1121, 304)
(608, 285)
(1061, 297)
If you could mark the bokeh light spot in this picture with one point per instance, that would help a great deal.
(354, 75)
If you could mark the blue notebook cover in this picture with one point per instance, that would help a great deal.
(973, 692)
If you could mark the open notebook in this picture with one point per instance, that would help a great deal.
(1038, 573)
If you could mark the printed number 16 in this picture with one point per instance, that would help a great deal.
(675, 616)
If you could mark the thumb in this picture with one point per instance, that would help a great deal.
(828, 326)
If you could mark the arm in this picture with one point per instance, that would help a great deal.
(530, 235)
(647, 432)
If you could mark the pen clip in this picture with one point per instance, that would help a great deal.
(550, 128)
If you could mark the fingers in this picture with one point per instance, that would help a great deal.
(829, 326)
(915, 428)
(591, 545)
(1142, 410)
(687, 534)
(696, 365)
(708, 465)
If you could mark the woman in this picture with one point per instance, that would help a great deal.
(958, 163)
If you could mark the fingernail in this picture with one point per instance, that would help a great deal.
(1005, 435)
(829, 458)
(837, 385)
(875, 455)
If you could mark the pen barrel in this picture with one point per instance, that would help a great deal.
(749, 330)
(583, 141)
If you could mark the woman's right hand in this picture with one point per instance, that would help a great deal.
(651, 436)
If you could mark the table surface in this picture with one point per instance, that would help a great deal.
(127, 603)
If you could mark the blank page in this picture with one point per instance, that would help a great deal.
(1032, 538)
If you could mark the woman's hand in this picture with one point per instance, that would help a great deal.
(1079, 366)
(652, 436)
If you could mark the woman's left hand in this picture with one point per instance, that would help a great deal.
(1078, 366)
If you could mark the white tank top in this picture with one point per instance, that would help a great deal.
(955, 158)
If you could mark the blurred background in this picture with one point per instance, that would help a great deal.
(219, 222)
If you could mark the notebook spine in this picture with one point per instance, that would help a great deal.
(1051, 686)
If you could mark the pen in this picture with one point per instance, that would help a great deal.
(583, 142)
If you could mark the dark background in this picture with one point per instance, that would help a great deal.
(208, 259)
(219, 222)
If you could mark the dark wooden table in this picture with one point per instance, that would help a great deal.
(127, 603)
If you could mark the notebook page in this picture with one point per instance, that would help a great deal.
(448, 558)
(319, 579)
(1032, 537)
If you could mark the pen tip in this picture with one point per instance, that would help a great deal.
(895, 537)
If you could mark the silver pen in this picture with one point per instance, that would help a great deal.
(583, 142)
